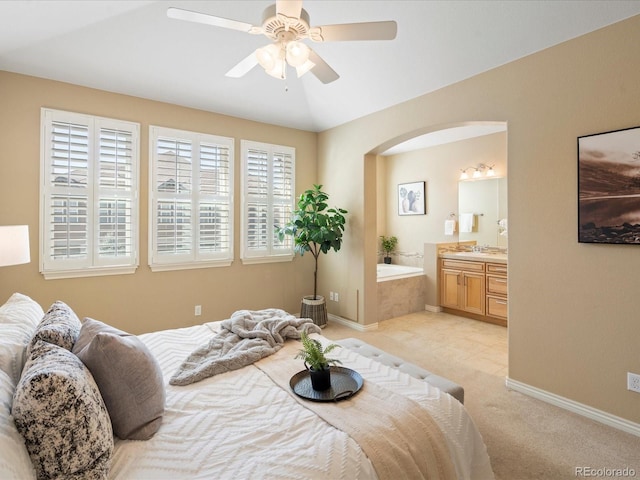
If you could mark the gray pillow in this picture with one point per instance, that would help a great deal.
(58, 410)
(129, 378)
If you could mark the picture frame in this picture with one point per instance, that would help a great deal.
(609, 187)
(412, 198)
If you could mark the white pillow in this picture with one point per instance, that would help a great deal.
(14, 458)
(19, 317)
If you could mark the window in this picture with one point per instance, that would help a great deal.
(268, 184)
(89, 200)
(191, 204)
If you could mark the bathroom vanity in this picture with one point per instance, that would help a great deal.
(474, 285)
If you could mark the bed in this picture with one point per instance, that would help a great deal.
(241, 424)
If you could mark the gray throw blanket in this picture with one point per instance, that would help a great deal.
(243, 339)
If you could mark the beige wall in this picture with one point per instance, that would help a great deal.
(439, 167)
(574, 326)
(144, 301)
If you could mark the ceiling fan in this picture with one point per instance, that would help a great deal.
(287, 24)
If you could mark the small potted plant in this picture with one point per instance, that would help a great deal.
(388, 245)
(314, 356)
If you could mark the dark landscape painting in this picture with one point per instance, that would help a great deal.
(609, 187)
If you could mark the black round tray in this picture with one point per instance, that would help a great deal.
(344, 384)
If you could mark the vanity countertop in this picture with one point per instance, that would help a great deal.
(477, 256)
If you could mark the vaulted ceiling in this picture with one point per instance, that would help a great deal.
(132, 47)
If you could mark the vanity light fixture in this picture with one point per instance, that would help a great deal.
(477, 171)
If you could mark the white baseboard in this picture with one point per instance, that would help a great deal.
(350, 324)
(575, 407)
(433, 308)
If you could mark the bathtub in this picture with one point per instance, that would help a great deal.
(388, 272)
(401, 290)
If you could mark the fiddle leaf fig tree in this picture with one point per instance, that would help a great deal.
(315, 227)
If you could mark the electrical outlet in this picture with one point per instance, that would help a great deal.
(198, 310)
(633, 382)
(330, 295)
(336, 297)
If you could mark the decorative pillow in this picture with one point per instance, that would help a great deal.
(59, 326)
(128, 376)
(58, 410)
(14, 458)
(18, 319)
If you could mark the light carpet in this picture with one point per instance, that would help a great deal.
(525, 437)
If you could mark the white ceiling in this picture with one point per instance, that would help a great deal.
(131, 47)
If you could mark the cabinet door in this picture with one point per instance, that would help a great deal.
(450, 288)
(473, 300)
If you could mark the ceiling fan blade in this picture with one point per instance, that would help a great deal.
(322, 70)
(289, 8)
(242, 68)
(188, 15)
(355, 31)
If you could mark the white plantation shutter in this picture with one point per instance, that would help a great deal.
(89, 206)
(268, 198)
(116, 198)
(191, 200)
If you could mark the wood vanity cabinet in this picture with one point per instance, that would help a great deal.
(462, 286)
(475, 289)
(497, 290)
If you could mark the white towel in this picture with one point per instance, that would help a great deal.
(466, 222)
(449, 227)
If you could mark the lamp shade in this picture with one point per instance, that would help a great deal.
(14, 245)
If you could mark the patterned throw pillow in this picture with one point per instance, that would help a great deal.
(59, 412)
(128, 375)
(59, 326)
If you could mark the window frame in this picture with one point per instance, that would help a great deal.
(196, 258)
(93, 264)
(271, 254)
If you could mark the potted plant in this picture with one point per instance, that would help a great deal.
(315, 360)
(315, 228)
(388, 245)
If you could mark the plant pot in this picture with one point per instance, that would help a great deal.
(315, 309)
(320, 379)
(387, 260)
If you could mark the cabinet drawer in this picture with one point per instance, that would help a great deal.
(462, 265)
(496, 285)
(497, 268)
(497, 307)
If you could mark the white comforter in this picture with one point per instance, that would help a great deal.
(240, 425)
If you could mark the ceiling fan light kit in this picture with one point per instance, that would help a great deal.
(287, 24)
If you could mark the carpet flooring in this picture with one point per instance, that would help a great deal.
(525, 437)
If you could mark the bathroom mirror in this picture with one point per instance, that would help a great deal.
(487, 200)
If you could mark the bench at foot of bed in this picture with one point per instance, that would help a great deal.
(369, 351)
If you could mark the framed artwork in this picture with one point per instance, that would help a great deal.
(412, 199)
(609, 187)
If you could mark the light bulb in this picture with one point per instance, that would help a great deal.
(297, 53)
(464, 175)
(267, 56)
(491, 172)
(278, 69)
(477, 173)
